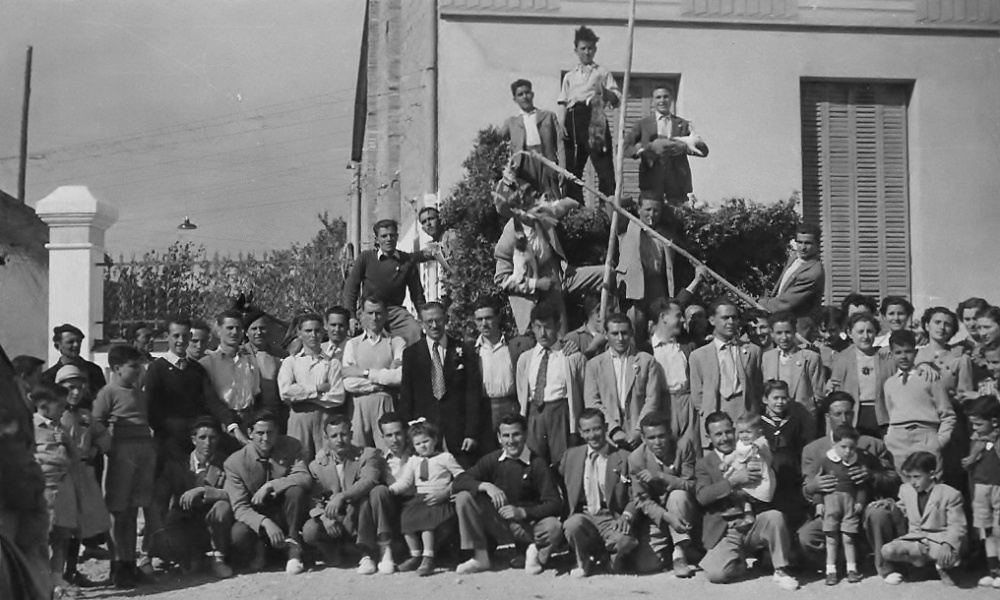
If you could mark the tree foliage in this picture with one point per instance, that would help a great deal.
(183, 280)
(745, 242)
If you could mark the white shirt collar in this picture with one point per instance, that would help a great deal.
(832, 455)
(395, 254)
(719, 344)
(526, 113)
(656, 341)
(482, 342)
(524, 457)
(373, 337)
(443, 342)
(174, 359)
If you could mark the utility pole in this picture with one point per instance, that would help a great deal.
(23, 165)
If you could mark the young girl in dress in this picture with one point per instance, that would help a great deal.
(428, 472)
(90, 439)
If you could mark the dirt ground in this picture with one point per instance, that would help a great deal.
(507, 584)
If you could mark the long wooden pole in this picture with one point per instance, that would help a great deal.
(22, 169)
(649, 230)
(619, 165)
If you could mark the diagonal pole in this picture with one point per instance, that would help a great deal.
(649, 230)
(619, 165)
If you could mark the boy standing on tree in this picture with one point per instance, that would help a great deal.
(585, 90)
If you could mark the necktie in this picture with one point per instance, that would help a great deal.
(538, 398)
(904, 376)
(437, 372)
(593, 490)
(425, 470)
(337, 484)
(727, 372)
(182, 363)
(265, 463)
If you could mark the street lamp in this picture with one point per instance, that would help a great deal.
(187, 225)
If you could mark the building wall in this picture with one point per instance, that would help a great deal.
(740, 87)
(24, 280)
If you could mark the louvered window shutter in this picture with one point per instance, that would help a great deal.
(854, 177)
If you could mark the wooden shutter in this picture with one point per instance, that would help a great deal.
(855, 184)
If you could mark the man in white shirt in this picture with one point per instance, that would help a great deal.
(312, 386)
(233, 370)
(671, 351)
(497, 359)
(549, 388)
(373, 370)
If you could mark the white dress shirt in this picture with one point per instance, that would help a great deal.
(601, 457)
(302, 373)
(730, 347)
(663, 125)
(497, 368)
(619, 361)
(531, 135)
(556, 378)
(674, 364)
(442, 346)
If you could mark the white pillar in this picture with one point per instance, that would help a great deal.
(77, 222)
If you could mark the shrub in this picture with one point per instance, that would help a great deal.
(743, 241)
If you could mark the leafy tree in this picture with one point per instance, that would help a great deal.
(743, 241)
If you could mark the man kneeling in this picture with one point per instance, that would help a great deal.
(343, 476)
(199, 518)
(519, 503)
(268, 482)
(597, 490)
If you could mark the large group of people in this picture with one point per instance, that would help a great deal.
(664, 434)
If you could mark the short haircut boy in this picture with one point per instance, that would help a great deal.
(921, 462)
(544, 312)
(121, 354)
(903, 338)
(617, 318)
(374, 299)
(203, 326)
(58, 332)
(231, 313)
(263, 416)
(519, 83)
(337, 420)
(713, 308)
(338, 310)
(809, 229)
(986, 408)
(48, 391)
(305, 318)
(845, 432)
(179, 320)
(774, 384)
(856, 299)
(663, 305)
(203, 422)
(584, 34)
(782, 317)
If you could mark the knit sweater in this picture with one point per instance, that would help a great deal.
(530, 487)
(389, 278)
(182, 394)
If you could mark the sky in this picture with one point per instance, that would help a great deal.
(236, 113)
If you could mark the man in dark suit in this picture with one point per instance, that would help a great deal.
(343, 476)
(199, 516)
(725, 374)
(727, 546)
(441, 383)
(800, 289)
(597, 493)
(533, 129)
(882, 520)
(497, 365)
(662, 142)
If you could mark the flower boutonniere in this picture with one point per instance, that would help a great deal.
(798, 363)
(622, 477)
(459, 352)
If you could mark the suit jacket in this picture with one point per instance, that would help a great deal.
(458, 413)
(548, 131)
(885, 478)
(631, 275)
(522, 299)
(577, 365)
(616, 479)
(715, 494)
(683, 412)
(177, 478)
(806, 382)
(362, 472)
(680, 472)
(804, 293)
(670, 175)
(642, 384)
(705, 378)
(943, 520)
(245, 474)
(845, 370)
